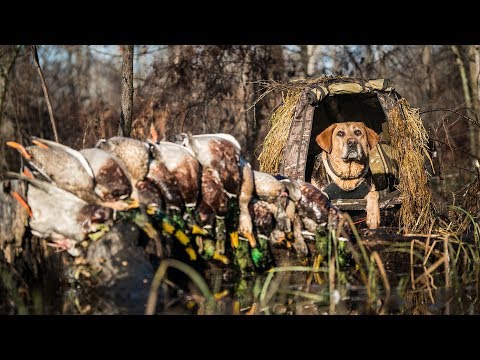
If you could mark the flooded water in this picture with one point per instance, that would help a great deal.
(398, 276)
(285, 293)
(317, 299)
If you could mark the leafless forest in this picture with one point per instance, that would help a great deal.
(212, 88)
(79, 94)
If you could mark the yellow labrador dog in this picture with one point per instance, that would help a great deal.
(346, 147)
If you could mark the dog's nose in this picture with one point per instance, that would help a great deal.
(352, 142)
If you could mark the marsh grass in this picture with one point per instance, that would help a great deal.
(441, 263)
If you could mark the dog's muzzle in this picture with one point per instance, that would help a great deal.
(353, 151)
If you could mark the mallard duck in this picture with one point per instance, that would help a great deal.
(179, 173)
(147, 178)
(70, 171)
(172, 220)
(263, 216)
(273, 191)
(280, 196)
(111, 181)
(59, 215)
(227, 176)
(313, 206)
(64, 166)
(182, 164)
(134, 154)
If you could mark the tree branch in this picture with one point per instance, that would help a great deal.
(455, 148)
(456, 111)
(45, 92)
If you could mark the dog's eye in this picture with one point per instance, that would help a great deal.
(340, 133)
(358, 132)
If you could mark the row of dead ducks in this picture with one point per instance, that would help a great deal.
(199, 191)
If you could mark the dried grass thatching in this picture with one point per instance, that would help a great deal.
(277, 137)
(281, 119)
(409, 140)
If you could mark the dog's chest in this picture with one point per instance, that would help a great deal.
(342, 189)
(335, 192)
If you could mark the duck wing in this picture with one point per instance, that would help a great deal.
(60, 147)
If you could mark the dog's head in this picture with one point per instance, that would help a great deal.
(350, 141)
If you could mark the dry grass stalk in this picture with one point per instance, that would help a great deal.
(316, 265)
(431, 269)
(412, 276)
(383, 274)
(409, 142)
(331, 278)
(446, 261)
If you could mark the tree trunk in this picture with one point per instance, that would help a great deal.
(358, 69)
(312, 51)
(477, 84)
(247, 89)
(4, 73)
(467, 95)
(473, 76)
(382, 69)
(463, 75)
(304, 59)
(336, 66)
(473, 72)
(427, 64)
(368, 61)
(127, 91)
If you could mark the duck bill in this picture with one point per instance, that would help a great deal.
(132, 203)
(167, 227)
(220, 295)
(21, 149)
(236, 307)
(182, 237)
(121, 205)
(234, 239)
(221, 258)
(151, 209)
(197, 230)
(179, 234)
(191, 253)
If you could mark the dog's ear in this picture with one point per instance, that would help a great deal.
(372, 137)
(324, 139)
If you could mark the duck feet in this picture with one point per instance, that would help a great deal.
(64, 244)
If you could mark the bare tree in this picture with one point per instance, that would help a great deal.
(7, 60)
(127, 91)
(469, 89)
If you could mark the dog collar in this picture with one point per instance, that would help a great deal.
(364, 172)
